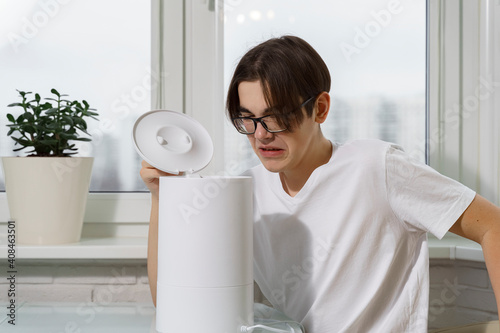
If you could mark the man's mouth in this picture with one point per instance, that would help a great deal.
(270, 152)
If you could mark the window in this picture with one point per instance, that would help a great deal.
(464, 93)
(375, 49)
(99, 51)
(376, 54)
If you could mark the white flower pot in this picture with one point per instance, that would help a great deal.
(47, 197)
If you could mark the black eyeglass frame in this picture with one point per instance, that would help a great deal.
(259, 120)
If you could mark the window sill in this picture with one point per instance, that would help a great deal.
(450, 247)
(454, 247)
(86, 248)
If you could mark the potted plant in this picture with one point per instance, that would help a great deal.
(47, 190)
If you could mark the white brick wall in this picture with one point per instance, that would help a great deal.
(82, 281)
(460, 292)
(100, 281)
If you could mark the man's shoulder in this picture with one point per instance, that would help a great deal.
(368, 145)
(365, 150)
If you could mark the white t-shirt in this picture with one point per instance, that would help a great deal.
(349, 252)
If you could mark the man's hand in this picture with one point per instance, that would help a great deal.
(151, 177)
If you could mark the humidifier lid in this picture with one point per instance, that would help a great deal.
(172, 142)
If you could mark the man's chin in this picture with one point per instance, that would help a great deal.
(271, 166)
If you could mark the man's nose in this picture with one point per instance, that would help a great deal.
(261, 133)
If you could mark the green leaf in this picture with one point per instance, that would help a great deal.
(23, 142)
(16, 104)
(68, 136)
(28, 116)
(49, 142)
(68, 120)
(52, 111)
(23, 93)
(79, 121)
(30, 129)
(84, 130)
(49, 126)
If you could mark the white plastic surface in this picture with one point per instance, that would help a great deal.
(205, 236)
(47, 197)
(205, 254)
(207, 310)
(172, 142)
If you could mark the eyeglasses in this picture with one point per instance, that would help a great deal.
(248, 125)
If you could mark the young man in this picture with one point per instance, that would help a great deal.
(340, 230)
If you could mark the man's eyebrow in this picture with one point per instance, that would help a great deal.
(242, 109)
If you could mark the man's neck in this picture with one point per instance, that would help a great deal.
(293, 180)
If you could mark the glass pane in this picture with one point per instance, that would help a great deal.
(89, 49)
(375, 51)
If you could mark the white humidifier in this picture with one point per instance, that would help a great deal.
(205, 235)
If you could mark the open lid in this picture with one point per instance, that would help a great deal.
(172, 142)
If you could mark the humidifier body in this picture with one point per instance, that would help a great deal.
(205, 255)
(205, 230)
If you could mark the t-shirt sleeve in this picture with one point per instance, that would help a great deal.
(422, 197)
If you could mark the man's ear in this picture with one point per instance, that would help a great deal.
(322, 107)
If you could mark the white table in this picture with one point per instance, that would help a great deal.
(79, 318)
(95, 318)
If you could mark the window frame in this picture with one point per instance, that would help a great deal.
(187, 56)
(197, 53)
(462, 141)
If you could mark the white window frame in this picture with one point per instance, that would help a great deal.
(187, 55)
(463, 124)
(191, 55)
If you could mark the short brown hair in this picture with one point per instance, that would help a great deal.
(290, 71)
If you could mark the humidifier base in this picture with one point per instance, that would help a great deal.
(208, 310)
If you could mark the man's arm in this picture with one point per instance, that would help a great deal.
(481, 223)
(151, 178)
(153, 248)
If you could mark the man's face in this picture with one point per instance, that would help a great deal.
(278, 152)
